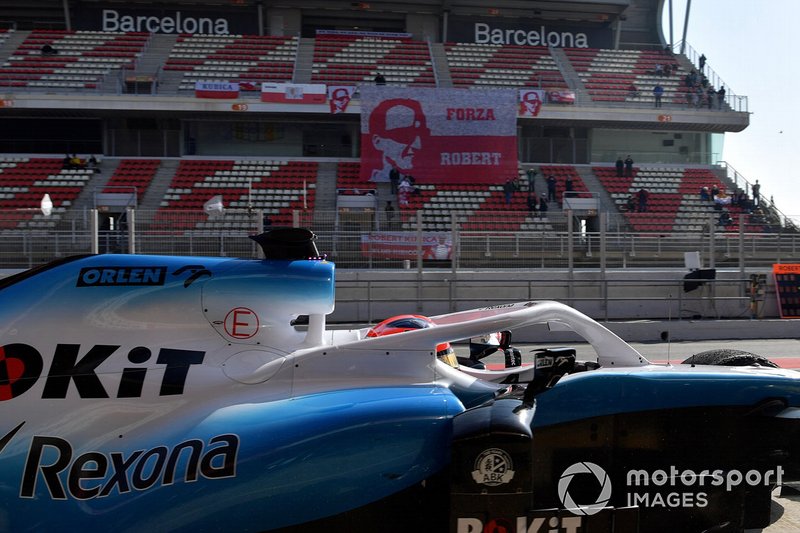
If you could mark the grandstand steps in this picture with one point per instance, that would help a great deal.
(570, 75)
(325, 194)
(607, 204)
(440, 65)
(85, 199)
(11, 44)
(159, 184)
(156, 54)
(304, 61)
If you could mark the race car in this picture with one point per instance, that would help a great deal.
(168, 393)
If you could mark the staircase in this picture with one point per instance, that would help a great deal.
(325, 194)
(11, 44)
(85, 199)
(440, 65)
(304, 63)
(159, 184)
(570, 75)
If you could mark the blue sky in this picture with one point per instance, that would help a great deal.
(750, 45)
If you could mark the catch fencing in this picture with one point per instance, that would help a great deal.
(373, 240)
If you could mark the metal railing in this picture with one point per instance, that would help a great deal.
(610, 299)
(405, 240)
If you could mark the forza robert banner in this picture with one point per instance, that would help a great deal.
(442, 135)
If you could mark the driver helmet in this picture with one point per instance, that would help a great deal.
(401, 323)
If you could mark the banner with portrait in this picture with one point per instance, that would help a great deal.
(530, 102)
(438, 135)
(339, 97)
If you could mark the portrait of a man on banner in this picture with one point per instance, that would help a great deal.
(438, 135)
(397, 130)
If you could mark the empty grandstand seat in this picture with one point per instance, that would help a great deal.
(81, 59)
(353, 60)
(494, 65)
(246, 59)
(275, 187)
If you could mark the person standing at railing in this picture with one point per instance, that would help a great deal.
(620, 166)
(721, 96)
(702, 62)
(642, 196)
(756, 194)
(551, 188)
(628, 166)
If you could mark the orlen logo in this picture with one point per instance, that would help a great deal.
(121, 276)
(21, 367)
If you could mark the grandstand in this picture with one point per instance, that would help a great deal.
(263, 107)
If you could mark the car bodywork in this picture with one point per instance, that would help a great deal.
(146, 393)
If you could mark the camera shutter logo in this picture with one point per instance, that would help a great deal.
(493, 467)
(584, 468)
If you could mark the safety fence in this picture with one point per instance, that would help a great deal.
(372, 240)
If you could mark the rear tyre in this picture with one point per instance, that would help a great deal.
(726, 357)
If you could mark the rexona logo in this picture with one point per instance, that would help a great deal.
(97, 474)
(485, 34)
(21, 366)
(113, 20)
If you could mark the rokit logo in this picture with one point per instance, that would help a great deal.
(21, 366)
(522, 524)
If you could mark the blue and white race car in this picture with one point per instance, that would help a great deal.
(159, 393)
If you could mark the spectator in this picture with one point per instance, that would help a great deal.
(714, 192)
(721, 96)
(508, 189)
(568, 186)
(48, 50)
(380, 79)
(628, 166)
(704, 195)
(66, 162)
(725, 219)
(551, 188)
(658, 92)
(533, 202)
(543, 204)
(394, 179)
(710, 96)
(531, 178)
(757, 194)
(92, 164)
(633, 92)
(620, 166)
(403, 191)
(659, 70)
(642, 197)
(630, 204)
(702, 62)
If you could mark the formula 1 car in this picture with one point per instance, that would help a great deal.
(158, 393)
